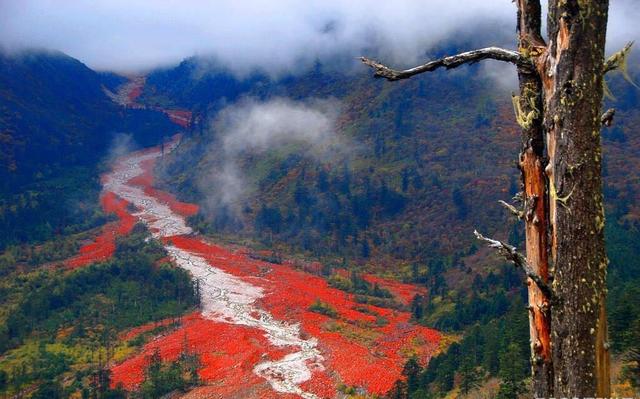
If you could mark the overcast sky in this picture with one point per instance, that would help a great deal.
(135, 35)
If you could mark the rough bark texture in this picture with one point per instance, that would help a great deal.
(535, 198)
(572, 73)
(559, 111)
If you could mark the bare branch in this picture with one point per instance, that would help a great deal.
(454, 61)
(607, 117)
(513, 256)
(617, 60)
(512, 209)
(519, 196)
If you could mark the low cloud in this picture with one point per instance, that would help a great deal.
(121, 144)
(273, 35)
(253, 127)
(258, 126)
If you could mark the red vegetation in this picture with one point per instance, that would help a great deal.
(403, 292)
(130, 92)
(104, 245)
(145, 180)
(320, 384)
(360, 351)
(181, 208)
(366, 346)
(363, 345)
(134, 332)
(227, 352)
(217, 392)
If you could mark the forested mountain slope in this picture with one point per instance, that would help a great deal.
(56, 123)
(429, 158)
(396, 188)
(426, 162)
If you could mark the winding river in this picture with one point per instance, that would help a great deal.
(224, 297)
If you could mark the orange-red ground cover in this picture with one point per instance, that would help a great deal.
(134, 93)
(357, 351)
(103, 247)
(134, 332)
(403, 292)
(227, 352)
(361, 352)
(364, 346)
(146, 179)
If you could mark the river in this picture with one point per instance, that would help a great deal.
(224, 297)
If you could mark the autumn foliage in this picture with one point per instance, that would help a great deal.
(103, 247)
(361, 345)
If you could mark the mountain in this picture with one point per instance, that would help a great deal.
(56, 124)
(394, 190)
(401, 183)
(432, 157)
(426, 163)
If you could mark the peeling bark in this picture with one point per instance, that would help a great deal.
(535, 198)
(559, 111)
(537, 257)
(573, 97)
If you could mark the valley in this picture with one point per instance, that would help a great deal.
(198, 229)
(255, 333)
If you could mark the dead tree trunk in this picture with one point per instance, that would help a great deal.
(572, 71)
(558, 109)
(530, 118)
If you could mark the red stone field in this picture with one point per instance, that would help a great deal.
(354, 345)
(357, 351)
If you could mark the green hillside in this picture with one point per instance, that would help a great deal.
(56, 125)
(426, 162)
